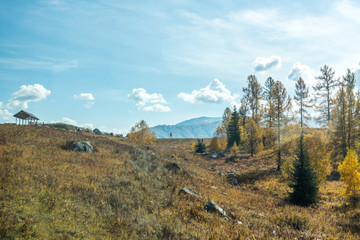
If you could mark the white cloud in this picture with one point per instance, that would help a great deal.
(5, 114)
(84, 96)
(46, 64)
(26, 94)
(87, 125)
(215, 92)
(67, 120)
(305, 72)
(264, 64)
(157, 108)
(149, 102)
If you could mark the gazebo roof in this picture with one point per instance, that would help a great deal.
(25, 115)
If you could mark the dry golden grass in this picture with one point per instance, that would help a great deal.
(125, 191)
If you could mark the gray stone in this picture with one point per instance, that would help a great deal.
(186, 190)
(211, 206)
(221, 173)
(231, 175)
(175, 166)
(213, 187)
(220, 155)
(234, 181)
(214, 155)
(96, 131)
(82, 147)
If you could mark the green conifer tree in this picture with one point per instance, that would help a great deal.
(303, 178)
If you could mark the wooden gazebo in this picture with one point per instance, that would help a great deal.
(25, 118)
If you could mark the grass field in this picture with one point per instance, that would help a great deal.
(126, 191)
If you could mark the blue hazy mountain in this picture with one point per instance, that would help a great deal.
(202, 127)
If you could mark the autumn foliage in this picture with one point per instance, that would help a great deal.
(350, 175)
(141, 133)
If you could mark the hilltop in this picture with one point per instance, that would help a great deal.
(127, 191)
(202, 127)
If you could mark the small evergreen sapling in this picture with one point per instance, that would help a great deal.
(200, 146)
(303, 178)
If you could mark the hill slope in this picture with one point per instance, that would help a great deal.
(126, 191)
(203, 127)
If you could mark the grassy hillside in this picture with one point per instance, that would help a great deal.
(125, 191)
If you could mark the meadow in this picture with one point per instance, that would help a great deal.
(128, 191)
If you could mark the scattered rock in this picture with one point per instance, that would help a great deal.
(231, 175)
(234, 181)
(224, 193)
(213, 187)
(82, 147)
(185, 159)
(96, 131)
(220, 155)
(213, 168)
(186, 190)
(214, 156)
(211, 206)
(239, 222)
(173, 166)
(221, 173)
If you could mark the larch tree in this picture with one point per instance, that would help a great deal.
(282, 103)
(141, 133)
(253, 91)
(302, 99)
(268, 136)
(252, 137)
(349, 174)
(326, 83)
(349, 80)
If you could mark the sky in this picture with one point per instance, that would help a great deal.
(109, 64)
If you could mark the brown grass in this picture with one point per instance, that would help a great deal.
(124, 191)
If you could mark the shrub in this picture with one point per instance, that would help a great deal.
(350, 175)
(200, 146)
(215, 144)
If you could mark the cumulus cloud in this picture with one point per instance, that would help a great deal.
(300, 70)
(356, 70)
(265, 64)
(26, 94)
(67, 120)
(5, 114)
(88, 125)
(215, 92)
(149, 102)
(157, 108)
(84, 96)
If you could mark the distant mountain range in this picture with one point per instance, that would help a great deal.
(202, 127)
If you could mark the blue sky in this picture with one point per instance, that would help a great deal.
(109, 64)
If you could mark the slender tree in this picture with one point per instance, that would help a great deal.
(303, 178)
(324, 92)
(253, 91)
(233, 129)
(349, 80)
(269, 98)
(302, 100)
(282, 103)
(141, 133)
(253, 137)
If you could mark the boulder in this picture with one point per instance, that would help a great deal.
(211, 206)
(214, 156)
(234, 181)
(186, 190)
(82, 147)
(221, 173)
(96, 131)
(231, 175)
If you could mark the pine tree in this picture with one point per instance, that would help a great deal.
(350, 175)
(349, 80)
(200, 146)
(303, 179)
(302, 100)
(282, 103)
(269, 98)
(233, 130)
(324, 91)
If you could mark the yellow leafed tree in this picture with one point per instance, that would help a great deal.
(320, 160)
(350, 175)
(215, 144)
(141, 133)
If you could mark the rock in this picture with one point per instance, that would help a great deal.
(82, 147)
(173, 166)
(239, 222)
(186, 190)
(211, 206)
(221, 173)
(186, 159)
(213, 187)
(220, 155)
(96, 131)
(214, 156)
(231, 175)
(213, 168)
(234, 181)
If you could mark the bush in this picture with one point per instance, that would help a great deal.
(200, 146)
